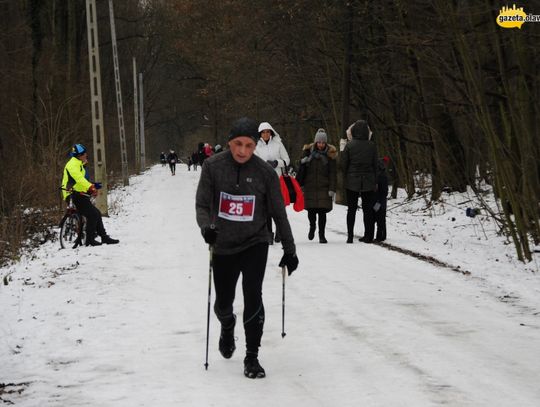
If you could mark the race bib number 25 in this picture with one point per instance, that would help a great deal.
(238, 208)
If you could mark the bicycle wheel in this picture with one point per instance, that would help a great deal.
(72, 231)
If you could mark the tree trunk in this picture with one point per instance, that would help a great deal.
(34, 21)
(345, 97)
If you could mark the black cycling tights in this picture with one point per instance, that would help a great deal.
(227, 268)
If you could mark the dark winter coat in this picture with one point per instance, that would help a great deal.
(172, 157)
(359, 164)
(320, 176)
(201, 156)
(222, 174)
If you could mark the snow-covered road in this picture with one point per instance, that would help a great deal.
(125, 325)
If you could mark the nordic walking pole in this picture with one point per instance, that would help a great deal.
(210, 267)
(283, 272)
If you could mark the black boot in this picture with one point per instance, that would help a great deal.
(226, 340)
(311, 233)
(92, 242)
(322, 227)
(252, 368)
(351, 216)
(381, 231)
(109, 240)
(350, 234)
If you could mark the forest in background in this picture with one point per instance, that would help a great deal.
(448, 93)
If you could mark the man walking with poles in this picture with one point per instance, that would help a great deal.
(237, 192)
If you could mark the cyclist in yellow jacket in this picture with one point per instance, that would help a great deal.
(76, 186)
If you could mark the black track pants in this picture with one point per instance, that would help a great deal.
(227, 268)
(380, 221)
(94, 223)
(368, 200)
(312, 217)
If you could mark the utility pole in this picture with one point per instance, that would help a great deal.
(119, 107)
(100, 162)
(141, 116)
(136, 116)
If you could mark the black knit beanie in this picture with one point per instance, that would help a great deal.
(244, 127)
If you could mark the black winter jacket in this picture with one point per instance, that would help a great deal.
(359, 164)
(171, 157)
(221, 176)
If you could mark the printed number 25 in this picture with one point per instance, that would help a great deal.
(236, 208)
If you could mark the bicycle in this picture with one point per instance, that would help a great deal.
(72, 227)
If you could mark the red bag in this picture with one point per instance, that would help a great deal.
(291, 192)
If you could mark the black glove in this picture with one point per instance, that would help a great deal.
(273, 163)
(289, 260)
(210, 234)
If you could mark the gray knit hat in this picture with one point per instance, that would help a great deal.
(321, 136)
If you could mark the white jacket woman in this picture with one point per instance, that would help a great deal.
(271, 149)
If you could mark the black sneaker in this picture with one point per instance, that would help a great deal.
(92, 242)
(252, 368)
(109, 240)
(226, 341)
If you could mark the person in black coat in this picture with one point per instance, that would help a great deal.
(359, 165)
(201, 156)
(379, 207)
(172, 158)
(195, 160)
(237, 192)
(319, 184)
